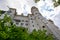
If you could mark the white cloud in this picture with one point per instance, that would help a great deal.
(56, 17)
(24, 6)
(19, 5)
(47, 10)
(3, 4)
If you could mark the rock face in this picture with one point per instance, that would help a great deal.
(34, 21)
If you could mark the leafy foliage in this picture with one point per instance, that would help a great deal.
(9, 31)
(1, 12)
(36, 1)
(56, 3)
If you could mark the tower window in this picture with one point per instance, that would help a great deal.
(36, 13)
(38, 17)
(37, 24)
(43, 26)
(33, 25)
(32, 21)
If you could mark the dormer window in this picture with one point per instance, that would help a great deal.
(32, 21)
(37, 24)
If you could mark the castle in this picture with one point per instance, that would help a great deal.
(34, 21)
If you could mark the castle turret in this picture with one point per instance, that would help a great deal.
(38, 18)
(34, 10)
(12, 12)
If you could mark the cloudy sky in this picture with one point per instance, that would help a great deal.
(45, 7)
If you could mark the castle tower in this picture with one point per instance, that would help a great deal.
(45, 24)
(38, 18)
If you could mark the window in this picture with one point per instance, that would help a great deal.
(32, 21)
(43, 26)
(22, 20)
(26, 24)
(17, 23)
(22, 23)
(9, 11)
(17, 20)
(26, 21)
(33, 25)
(36, 13)
(38, 17)
(37, 24)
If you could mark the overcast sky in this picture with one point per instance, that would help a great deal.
(45, 7)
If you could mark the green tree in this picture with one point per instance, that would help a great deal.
(36, 1)
(56, 3)
(0, 13)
